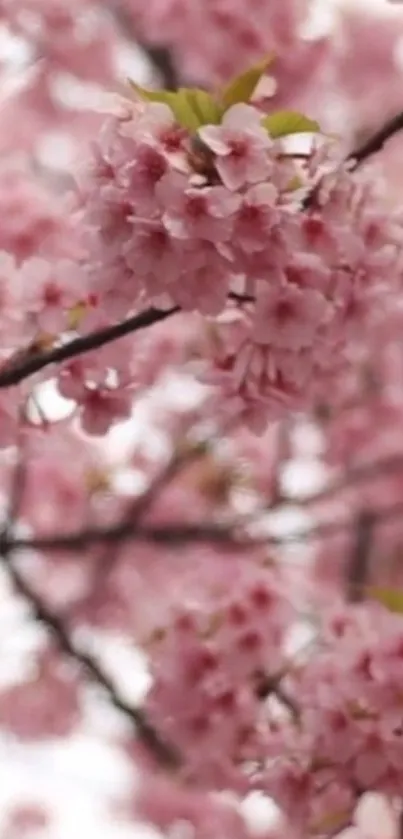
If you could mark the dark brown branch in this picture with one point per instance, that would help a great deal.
(181, 534)
(371, 146)
(376, 143)
(358, 566)
(175, 534)
(271, 685)
(241, 298)
(57, 629)
(135, 510)
(161, 58)
(13, 374)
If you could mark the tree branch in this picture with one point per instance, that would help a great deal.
(13, 374)
(357, 571)
(376, 143)
(43, 613)
(162, 60)
(271, 685)
(180, 534)
(175, 534)
(371, 146)
(135, 510)
(55, 626)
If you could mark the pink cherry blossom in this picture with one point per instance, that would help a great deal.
(45, 706)
(197, 211)
(289, 317)
(256, 217)
(201, 414)
(241, 146)
(51, 291)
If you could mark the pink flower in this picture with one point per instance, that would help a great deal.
(24, 818)
(196, 211)
(102, 407)
(205, 690)
(141, 176)
(207, 280)
(289, 317)
(256, 217)
(154, 121)
(241, 146)
(11, 314)
(154, 255)
(50, 290)
(44, 706)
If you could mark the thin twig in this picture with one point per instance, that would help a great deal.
(376, 143)
(161, 58)
(358, 566)
(359, 155)
(59, 631)
(132, 515)
(51, 621)
(241, 298)
(176, 534)
(13, 374)
(271, 685)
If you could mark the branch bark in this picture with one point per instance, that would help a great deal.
(13, 374)
(59, 630)
(376, 143)
(358, 565)
(166, 754)
(176, 534)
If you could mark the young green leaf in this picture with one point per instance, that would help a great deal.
(284, 123)
(191, 107)
(391, 598)
(203, 105)
(243, 87)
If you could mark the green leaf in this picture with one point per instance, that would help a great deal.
(391, 598)
(75, 315)
(295, 183)
(242, 88)
(330, 822)
(284, 123)
(203, 105)
(191, 107)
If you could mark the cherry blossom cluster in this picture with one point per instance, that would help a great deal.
(206, 273)
(343, 734)
(348, 736)
(216, 222)
(209, 666)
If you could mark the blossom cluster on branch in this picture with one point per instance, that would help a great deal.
(212, 296)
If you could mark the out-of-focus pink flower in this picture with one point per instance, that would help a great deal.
(43, 707)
